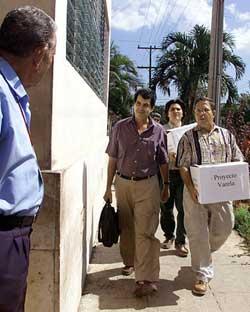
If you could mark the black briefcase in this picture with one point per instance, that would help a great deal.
(108, 229)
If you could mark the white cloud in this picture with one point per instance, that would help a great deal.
(231, 8)
(131, 15)
(239, 26)
(242, 37)
(240, 17)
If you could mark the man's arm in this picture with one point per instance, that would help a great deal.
(186, 177)
(165, 182)
(111, 172)
(236, 152)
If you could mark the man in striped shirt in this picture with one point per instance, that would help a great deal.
(209, 225)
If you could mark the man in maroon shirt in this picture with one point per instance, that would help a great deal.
(136, 150)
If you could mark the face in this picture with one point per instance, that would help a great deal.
(157, 119)
(42, 59)
(142, 107)
(175, 113)
(204, 115)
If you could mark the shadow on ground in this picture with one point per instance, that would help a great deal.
(115, 291)
(109, 255)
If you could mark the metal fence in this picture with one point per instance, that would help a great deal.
(86, 26)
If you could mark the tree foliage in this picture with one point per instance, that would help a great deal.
(184, 64)
(235, 121)
(123, 79)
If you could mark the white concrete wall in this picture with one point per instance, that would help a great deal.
(79, 126)
(70, 138)
(78, 142)
(79, 117)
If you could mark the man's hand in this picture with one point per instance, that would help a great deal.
(172, 156)
(186, 177)
(194, 194)
(108, 195)
(164, 193)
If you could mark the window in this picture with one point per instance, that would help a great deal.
(86, 41)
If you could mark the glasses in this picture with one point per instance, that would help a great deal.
(200, 111)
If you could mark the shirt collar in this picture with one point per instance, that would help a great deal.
(172, 126)
(215, 128)
(13, 81)
(152, 123)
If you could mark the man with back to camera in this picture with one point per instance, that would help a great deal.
(136, 150)
(27, 48)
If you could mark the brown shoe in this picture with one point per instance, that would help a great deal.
(127, 270)
(144, 288)
(181, 250)
(200, 288)
(168, 243)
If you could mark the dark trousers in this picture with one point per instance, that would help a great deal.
(167, 219)
(14, 262)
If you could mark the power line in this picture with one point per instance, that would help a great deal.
(167, 18)
(155, 22)
(182, 13)
(189, 24)
(153, 26)
(162, 22)
(145, 18)
(142, 29)
(115, 12)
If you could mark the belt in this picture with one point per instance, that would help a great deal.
(8, 223)
(134, 178)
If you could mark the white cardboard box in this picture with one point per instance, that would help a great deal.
(174, 135)
(221, 182)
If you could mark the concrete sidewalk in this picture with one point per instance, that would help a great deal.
(107, 290)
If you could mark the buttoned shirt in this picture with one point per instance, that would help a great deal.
(21, 185)
(217, 146)
(138, 155)
(171, 164)
(168, 126)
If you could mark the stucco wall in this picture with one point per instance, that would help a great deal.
(43, 279)
(40, 96)
(69, 126)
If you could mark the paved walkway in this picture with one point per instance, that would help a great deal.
(107, 290)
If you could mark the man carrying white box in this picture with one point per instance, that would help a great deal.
(207, 225)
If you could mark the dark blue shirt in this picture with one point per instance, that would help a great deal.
(21, 185)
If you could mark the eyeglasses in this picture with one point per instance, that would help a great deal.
(200, 111)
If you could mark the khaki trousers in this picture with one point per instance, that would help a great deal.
(208, 227)
(138, 205)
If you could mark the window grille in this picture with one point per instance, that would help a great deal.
(86, 27)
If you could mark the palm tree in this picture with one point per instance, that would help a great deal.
(185, 61)
(122, 80)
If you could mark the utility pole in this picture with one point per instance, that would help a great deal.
(150, 67)
(216, 54)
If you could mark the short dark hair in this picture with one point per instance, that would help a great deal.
(146, 93)
(24, 29)
(175, 101)
(205, 99)
(155, 114)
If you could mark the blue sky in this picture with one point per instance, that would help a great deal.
(146, 22)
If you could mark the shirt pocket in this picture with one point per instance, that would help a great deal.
(221, 152)
(149, 149)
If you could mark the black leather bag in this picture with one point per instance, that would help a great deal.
(108, 229)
